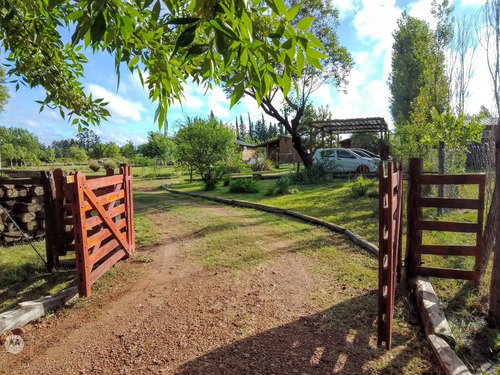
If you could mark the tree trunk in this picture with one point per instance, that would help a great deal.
(489, 228)
(299, 147)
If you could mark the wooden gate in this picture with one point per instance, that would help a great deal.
(416, 223)
(103, 225)
(390, 218)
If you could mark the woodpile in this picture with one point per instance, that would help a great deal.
(22, 205)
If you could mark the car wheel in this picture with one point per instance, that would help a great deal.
(362, 169)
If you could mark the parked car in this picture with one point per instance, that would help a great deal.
(369, 153)
(344, 160)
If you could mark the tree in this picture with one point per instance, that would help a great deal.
(87, 139)
(461, 62)
(8, 152)
(78, 153)
(98, 151)
(112, 150)
(4, 91)
(165, 42)
(128, 150)
(307, 76)
(61, 147)
(410, 54)
(204, 144)
(158, 147)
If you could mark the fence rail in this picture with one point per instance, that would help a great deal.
(416, 224)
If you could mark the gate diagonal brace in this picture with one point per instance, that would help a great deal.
(104, 215)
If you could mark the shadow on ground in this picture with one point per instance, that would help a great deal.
(340, 339)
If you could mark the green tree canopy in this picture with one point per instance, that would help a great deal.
(128, 150)
(77, 153)
(159, 146)
(203, 144)
(112, 150)
(165, 42)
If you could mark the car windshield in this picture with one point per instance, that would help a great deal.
(362, 153)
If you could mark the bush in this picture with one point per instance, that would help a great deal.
(264, 166)
(314, 175)
(94, 166)
(360, 187)
(235, 166)
(227, 180)
(276, 165)
(283, 186)
(244, 185)
(109, 164)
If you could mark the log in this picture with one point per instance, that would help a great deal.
(10, 227)
(32, 225)
(2, 226)
(28, 207)
(35, 199)
(1, 193)
(8, 203)
(449, 361)
(31, 310)
(36, 191)
(22, 191)
(9, 237)
(432, 315)
(24, 217)
(10, 192)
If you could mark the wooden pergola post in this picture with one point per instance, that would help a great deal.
(494, 306)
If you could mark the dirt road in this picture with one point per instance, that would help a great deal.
(172, 315)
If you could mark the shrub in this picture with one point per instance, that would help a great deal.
(283, 186)
(109, 164)
(244, 185)
(94, 166)
(227, 180)
(276, 165)
(264, 166)
(312, 175)
(360, 187)
(235, 166)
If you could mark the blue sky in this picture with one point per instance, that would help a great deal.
(366, 28)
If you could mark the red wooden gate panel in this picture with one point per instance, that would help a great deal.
(390, 218)
(102, 212)
(416, 223)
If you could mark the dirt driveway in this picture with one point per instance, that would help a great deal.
(167, 312)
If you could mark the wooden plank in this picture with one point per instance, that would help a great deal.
(20, 181)
(474, 204)
(451, 179)
(102, 212)
(22, 173)
(98, 254)
(96, 220)
(447, 250)
(106, 265)
(447, 226)
(104, 233)
(447, 273)
(104, 181)
(81, 241)
(414, 213)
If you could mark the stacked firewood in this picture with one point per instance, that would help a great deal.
(22, 205)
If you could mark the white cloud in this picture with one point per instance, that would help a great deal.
(346, 6)
(119, 107)
(472, 2)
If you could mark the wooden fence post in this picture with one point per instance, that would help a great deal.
(49, 202)
(441, 168)
(494, 306)
(414, 236)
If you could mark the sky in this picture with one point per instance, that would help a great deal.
(366, 28)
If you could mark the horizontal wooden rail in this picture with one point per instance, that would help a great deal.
(449, 273)
(451, 179)
(446, 250)
(447, 226)
(473, 204)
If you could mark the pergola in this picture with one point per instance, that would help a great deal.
(348, 126)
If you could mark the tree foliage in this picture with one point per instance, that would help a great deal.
(204, 144)
(4, 92)
(307, 75)
(165, 42)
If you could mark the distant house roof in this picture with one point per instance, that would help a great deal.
(243, 143)
(489, 121)
(273, 140)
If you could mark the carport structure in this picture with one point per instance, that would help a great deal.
(347, 126)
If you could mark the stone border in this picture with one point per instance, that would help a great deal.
(436, 327)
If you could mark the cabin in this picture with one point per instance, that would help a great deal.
(281, 150)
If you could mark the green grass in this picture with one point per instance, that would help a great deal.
(330, 201)
(23, 275)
